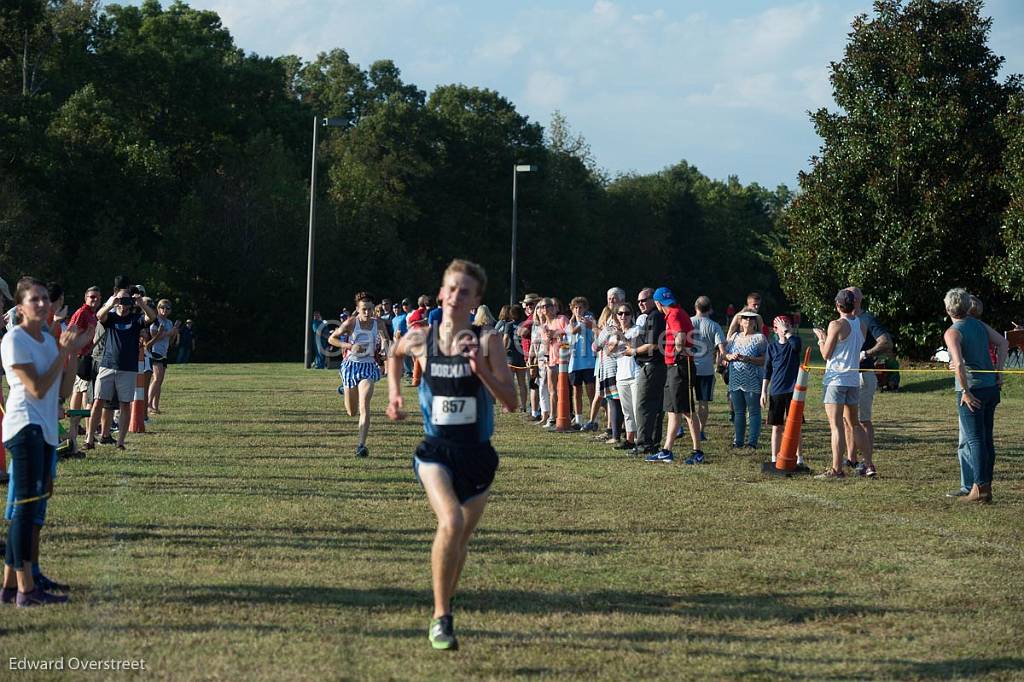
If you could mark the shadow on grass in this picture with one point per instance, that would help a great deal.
(928, 385)
(785, 607)
(413, 541)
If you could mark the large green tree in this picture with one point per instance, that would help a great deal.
(905, 199)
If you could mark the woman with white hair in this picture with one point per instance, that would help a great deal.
(977, 386)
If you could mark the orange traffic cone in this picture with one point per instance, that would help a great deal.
(785, 460)
(138, 422)
(562, 421)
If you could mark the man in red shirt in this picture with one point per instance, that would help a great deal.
(680, 377)
(85, 321)
(418, 317)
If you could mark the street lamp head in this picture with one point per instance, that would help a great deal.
(334, 122)
(525, 168)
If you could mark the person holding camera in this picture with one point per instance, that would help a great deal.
(125, 315)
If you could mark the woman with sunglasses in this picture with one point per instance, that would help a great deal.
(625, 376)
(162, 333)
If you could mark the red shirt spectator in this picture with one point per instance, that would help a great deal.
(525, 331)
(84, 319)
(417, 318)
(677, 321)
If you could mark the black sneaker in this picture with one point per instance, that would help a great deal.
(362, 451)
(442, 633)
(625, 445)
(44, 583)
(107, 440)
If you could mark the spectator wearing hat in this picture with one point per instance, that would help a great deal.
(708, 353)
(650, 382)
(840, 345)
(781, 366)
(745, 352)
(679, 378)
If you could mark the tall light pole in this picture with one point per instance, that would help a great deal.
(516, 170)
(317, 124)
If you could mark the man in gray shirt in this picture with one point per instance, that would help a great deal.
(708, 351)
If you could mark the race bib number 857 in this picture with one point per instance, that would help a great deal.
(453, 411)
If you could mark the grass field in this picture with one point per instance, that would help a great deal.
(240, 539)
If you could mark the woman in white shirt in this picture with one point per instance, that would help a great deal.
(33, 362)
(840, 347)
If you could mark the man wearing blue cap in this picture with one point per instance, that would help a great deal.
(679, 377)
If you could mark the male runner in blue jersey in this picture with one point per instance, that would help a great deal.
(464, 371)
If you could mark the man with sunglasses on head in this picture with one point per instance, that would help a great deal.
(124, 315)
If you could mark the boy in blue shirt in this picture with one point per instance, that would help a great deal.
(780, 370)
(582, 358)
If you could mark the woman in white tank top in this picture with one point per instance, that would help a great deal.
(840, 347)
(364, 341)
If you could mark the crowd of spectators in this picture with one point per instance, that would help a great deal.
(87, 362)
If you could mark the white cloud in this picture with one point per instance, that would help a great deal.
(504, 47)
(546, 89)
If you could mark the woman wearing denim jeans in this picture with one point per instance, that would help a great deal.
(745, 352)
(977, 386)
(33, 362)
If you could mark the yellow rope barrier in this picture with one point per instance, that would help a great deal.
(929, 369)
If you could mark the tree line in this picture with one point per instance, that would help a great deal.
(143, 140)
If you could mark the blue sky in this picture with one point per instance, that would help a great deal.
(724, 85)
